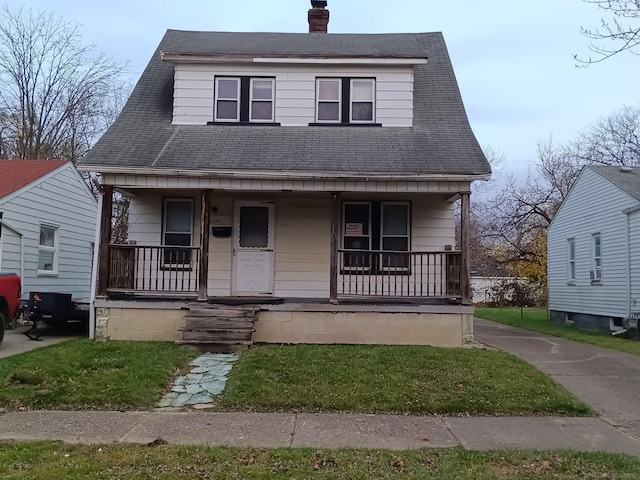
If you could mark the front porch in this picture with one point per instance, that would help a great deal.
(309, 248)
(317, 267)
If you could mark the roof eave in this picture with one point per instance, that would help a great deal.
(178, 57)
(285, 175)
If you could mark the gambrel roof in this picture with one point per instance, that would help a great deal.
(440, 142)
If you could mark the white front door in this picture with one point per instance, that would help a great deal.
(253, 252)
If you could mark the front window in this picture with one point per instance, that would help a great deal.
(380, 227)
(48, 250)
(571, 254)
(177, 230)
(394, 234)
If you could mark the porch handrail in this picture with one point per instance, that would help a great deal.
(153, 268)
(396, 273)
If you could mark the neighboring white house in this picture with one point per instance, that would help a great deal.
(47, 226)
(312, 175)
(594, 251)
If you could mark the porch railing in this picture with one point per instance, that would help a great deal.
(399, 274)
(143, 268)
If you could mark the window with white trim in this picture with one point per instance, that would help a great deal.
(596, 271)
(48, 250)
(362, 101)
(244, 100)
(571, 263)
(345, 100)
(378, 232)
(177, 230)
(227, 107)
(261, 101)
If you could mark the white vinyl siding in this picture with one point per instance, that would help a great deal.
(295, 95)
(60, 199)
(593, 205)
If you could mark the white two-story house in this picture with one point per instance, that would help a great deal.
(310, 176)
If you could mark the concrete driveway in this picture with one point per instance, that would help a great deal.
(607, 380)
(16, 342)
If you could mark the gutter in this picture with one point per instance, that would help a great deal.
(283, 175)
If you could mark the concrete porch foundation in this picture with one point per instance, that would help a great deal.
(435, 325)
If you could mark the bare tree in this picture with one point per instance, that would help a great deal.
(56, 94)
(621, 29)
(613, 140)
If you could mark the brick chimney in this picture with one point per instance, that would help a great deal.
(318, 16)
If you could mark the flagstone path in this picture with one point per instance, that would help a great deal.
(206, 379)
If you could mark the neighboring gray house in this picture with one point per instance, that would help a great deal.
(312, 176)
(594, 251)
(47, 226)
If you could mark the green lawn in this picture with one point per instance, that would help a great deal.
(49, 460)
(83, 374)
(536, 319)
(392, 379)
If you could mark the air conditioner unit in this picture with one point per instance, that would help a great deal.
(595, 275)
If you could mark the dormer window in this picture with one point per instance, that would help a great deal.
(228, 99)
(244, 100)
(345, 100)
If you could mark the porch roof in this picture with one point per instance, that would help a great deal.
(441, 140)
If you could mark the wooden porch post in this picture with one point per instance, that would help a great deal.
(465, 246)
(333, 268)
(205, 226)
(105, 238)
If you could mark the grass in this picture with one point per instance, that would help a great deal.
(47, 460)
(84, 374)
(392, 379)
(536, 319)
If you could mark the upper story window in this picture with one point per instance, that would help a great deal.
(244, 99)
(345, 100)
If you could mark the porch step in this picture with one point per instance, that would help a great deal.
(219, 328)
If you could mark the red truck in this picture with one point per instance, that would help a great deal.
(10, 292)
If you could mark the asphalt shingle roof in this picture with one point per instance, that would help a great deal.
(441, 140)
(628, 181)
(15, 174)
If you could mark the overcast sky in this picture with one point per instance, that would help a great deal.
(513, 58)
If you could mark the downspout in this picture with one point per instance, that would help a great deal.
(628, 245)
(94, 273)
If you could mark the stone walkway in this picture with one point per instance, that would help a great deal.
(206, 379)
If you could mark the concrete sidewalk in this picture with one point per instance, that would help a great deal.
(318, 430)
